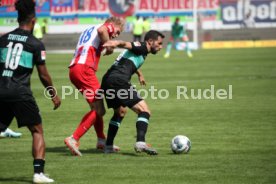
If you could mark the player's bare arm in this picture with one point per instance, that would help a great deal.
(117, 43)
(48, 84)
(103, 34)
(141, 77)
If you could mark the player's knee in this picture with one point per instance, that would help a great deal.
(122, 112)
(148, 112)
(141, 107)
(144, 110)
(101, 112)
(145, 115)
(36, 129)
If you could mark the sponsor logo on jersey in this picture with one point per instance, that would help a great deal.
(137, 44)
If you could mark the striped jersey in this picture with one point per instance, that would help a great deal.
(89, 47)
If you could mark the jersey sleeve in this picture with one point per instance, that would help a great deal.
(139, 48)
(40, 55)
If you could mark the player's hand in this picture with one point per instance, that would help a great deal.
(108, 51)
(142, 80)
(56, 101)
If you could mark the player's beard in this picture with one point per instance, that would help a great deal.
(153, 51)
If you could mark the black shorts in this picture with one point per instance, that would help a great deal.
(123, 94)
(25, 112)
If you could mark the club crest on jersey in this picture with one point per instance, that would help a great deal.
(43, 55)
(121, 8)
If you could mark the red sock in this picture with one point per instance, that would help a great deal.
(87, 121)
(99, 127)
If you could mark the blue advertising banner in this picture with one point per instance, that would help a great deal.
(43, 8)
(248, 12)
(8, 10)
(62, 3)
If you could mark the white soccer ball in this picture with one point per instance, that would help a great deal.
(181, 144)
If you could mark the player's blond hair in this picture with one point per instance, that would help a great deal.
(116, 20)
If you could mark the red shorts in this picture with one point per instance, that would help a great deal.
(85, 80)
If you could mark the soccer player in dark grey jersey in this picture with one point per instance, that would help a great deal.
(119, 93)
(20, 51)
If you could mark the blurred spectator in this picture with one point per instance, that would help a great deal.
(38, 31)
(137, 29)
(248, 20)
(146, 24)
(44, 26)
(40, 2)
(81, 4)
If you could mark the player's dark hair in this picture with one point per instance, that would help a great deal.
(26, 10)
(153, 34)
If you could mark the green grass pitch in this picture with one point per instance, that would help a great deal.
(233, 140)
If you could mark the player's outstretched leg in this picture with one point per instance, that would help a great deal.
(188, 50)
(141, 108)
(99, 127)
(140, 147)
(112, 132)
(101, 146)
(73, 145)
(187, 46)
(72, 142)
(168, 50)
(113, 128)
(141, 128)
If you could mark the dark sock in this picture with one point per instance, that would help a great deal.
(113, 127)
(39, 165)
(142, 126)
(112, 131)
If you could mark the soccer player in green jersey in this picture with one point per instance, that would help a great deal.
(20, 52)
(117, 81)
(178, 33)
